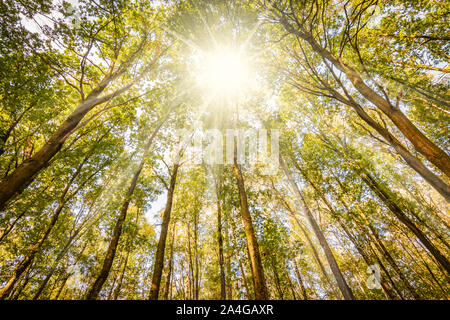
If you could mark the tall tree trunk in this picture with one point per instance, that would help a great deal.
(61, 287)
(342, 284)
(190, 264)
(300, 281)
(223, 294)
(291, 284)
(241, 266)
(229, 287)
(252, 243)
(277, 280)
(169, 272)
(159, 256)
(218, 188)
(398, 212)
(311, 245)
(61, 254)
(125, 264)
(196, 258)
(96, 287)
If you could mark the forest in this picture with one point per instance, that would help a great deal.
(224, 150)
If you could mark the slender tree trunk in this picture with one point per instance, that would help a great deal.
(241, 266)
(398, 212)
(342, 284)
(94, 291)
(229, 287)
(277, 280)
(169, 272)
(159, 256)
(190, 264)
(380, 244)
(125, 264)
(196, 258)
(20, 287)
(300, 281)
(252, 243)
(223, 294)
(317, 257)
(311, 245)
(61, 287)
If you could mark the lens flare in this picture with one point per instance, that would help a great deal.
(224, 72)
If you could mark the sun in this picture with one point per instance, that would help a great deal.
(225, 71)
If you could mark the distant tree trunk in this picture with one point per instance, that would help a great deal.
(159, 256)
(223, 294)
(229, 287)
(196, 259)
(64, 251)
(241, 266)
(125, 264)
(190, 264)
(61, 287)
(385, 252)
(64, 280)
(398, 212)
(277, 280)
(252, 243)
(369, 236)
(342, 284)
(244, 278)
(21, 286)
(300, 281)
(115, 274)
